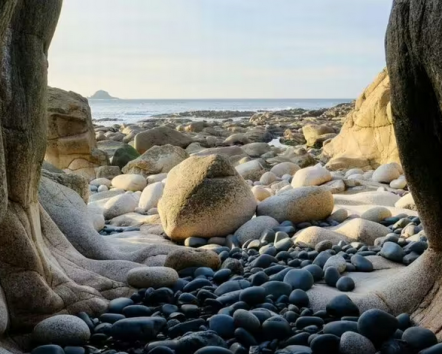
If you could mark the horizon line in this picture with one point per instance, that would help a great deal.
(227, 98)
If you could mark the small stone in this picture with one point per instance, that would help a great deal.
(195, 242)
(419, 338)
(299, 279)
(276, 327)
(316, 271)
(117, 305)
(323, 246)
(63, 330)
(139, 328)
(345, 284)
(331, 276)
(48, 349)
(213, 350)
(392, 252)
(253, 295)
(152, 277)
(299, 298)
(361, 263)
(354, 343)
(325, 344)
(246, 320)
(377, 325)
(277, 288)
(223, 325)
(337, 262)
(338, 328)
(341, 306)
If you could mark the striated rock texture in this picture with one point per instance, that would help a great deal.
(205, 197)
(71, 144)
(367, 137)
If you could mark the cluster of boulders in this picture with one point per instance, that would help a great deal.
(288, 236)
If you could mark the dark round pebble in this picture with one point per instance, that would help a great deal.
(299, 298)
(377, 325)
(299, 279)
(331, 276)
(345, 284)
(341, 306)
(325, 344)
(223, 325)
(419, 338)
(253, 295)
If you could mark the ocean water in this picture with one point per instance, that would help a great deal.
(130, 111)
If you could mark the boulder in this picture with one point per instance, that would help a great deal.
(63, 330)
(387, 173)
(313, 132)
(367, 137)
(237, 139)
(119, 205)
(151, 196)
(226, 151)
(298, 205)
(189, 257)
(129, 182)
(158, 159)
(261, 193)
(253, 229)
(406, 202)
(285, 168)
(251, 170)
(362, 230)
(123, 155)
(152, 277)
(205, 197)
(71, 144)
(313, 235)
(376, 214)
(311, 176)
(256, 149)
(160, 136)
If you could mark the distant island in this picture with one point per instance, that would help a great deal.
(102, 95)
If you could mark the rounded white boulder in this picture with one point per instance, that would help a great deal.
(129, 182)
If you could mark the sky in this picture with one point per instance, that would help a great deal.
(219, 48)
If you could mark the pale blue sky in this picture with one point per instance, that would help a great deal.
(219, 48)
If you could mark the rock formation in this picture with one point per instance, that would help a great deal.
(367, 138)
(71, 144)
(102, 95)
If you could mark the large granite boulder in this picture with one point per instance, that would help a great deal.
(367, 138)
(160, 136)
(158, 159)
(71, 144)
(205, 197)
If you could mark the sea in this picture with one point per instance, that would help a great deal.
(131, 111)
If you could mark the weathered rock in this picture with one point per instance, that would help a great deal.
(311, 176)
(367, 138)
(253, 229)
(285, 168)
(256, 149)
(387, 173)
(205, 197)
(123, 155)
(251, 170)
(188, 257)
(119, 205)
(160, 136)
(311, 236)
(313, 132)
(158, 159)
(130, 182)
(298, 205)
(261, 193)
(155, 277)
(62, 330)
(71, 143)
(151, 196)
(406, 202)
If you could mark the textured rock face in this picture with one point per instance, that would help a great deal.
(205, 197)
(367, 137)
(71, 144)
